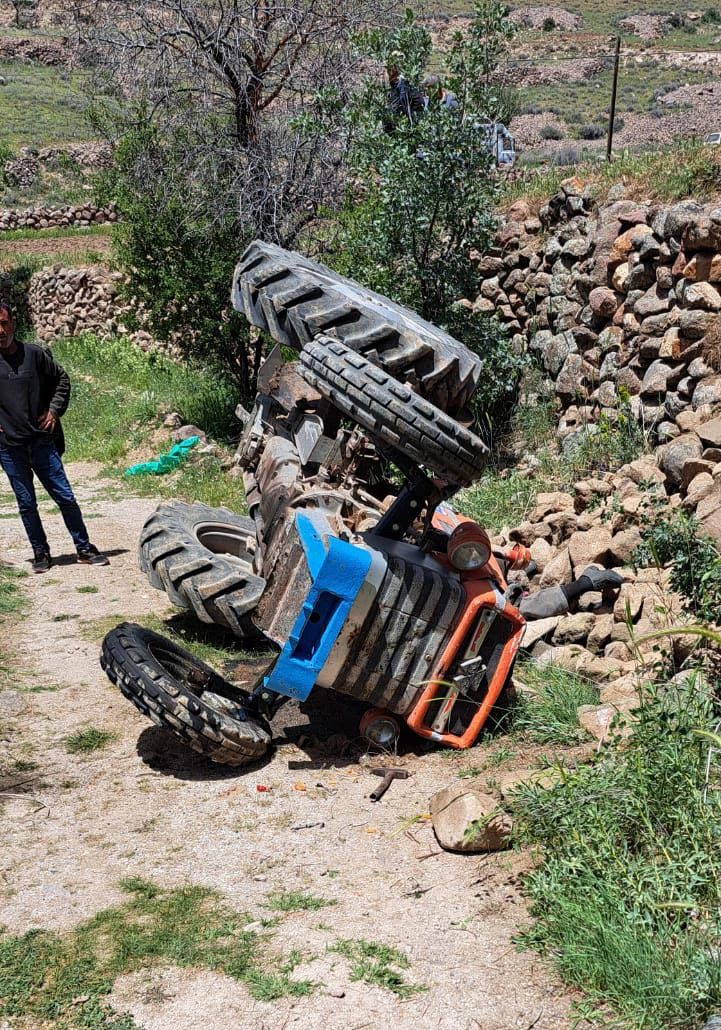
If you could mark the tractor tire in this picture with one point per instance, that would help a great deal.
(392, 411)
(180, 693)
(203, 559)
(294, 299)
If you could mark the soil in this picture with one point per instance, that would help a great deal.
(47, 245)
(145, 806)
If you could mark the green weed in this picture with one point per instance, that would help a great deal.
(379, 965)
(628, 895)
(211, 644)
(298, 901)
(120, 392)
(499, 499)
(84, 741)
(87, 590)
(12, 601)
(64, 978)
(550, 716)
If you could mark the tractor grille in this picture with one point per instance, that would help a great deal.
(406, 630)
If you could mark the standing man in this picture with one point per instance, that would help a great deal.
(34, 393)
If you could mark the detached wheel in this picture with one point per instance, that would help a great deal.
(182, 694)
(294, 299)
(202, 558)
(392, 412)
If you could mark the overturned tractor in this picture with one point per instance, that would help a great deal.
(350, 561)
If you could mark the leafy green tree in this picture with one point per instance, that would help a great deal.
(425, 184)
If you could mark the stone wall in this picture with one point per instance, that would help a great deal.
(57, 217)
(68, 301)
(621, 306)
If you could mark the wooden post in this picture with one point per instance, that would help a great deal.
(612, 117)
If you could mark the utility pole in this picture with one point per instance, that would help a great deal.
(612, 118)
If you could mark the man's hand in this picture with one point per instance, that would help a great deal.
(47, 421)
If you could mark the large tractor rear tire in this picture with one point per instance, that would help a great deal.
(202, 558)
(294, 299)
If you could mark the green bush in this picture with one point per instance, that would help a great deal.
(627, 898)
(591, 132)
(696, 564)
(551, 132)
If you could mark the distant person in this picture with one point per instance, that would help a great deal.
(34, 394)
(437, 94)
(404, 99)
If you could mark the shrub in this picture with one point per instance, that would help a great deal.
(551, 132)
(711, 16)
(696, 568)
(548, 24)
(628, 896)
(591, 132)
(618, 124)
(568, 155)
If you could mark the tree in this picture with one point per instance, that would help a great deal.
(227, 124)
(424, 185)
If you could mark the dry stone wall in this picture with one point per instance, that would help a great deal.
(68, 301)
(621, 305)
(57, 217)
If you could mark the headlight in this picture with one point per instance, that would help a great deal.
(469, 547)
(380, 727)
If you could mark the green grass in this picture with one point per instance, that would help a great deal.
(297, 901)
(12, 601)
(499, 499)
(211, 644)
(63, 980)
(88, 590)
(120, 393)
(85, 741)
(81, 232)
(550, 716)
(202, 479)
(626, 894)
(378, 965)
(40, 105)
(680, 170)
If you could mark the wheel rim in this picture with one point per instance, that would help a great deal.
(231, 541)
(178, 668)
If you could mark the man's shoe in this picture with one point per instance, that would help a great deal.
(91, 556)
(42, 561)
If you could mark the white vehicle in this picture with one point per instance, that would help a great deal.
(713, 138)
(500, 142)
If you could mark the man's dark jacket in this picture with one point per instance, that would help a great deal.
(31, 383)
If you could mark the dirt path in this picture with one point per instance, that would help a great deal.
(145, 807)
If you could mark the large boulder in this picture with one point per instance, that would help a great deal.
(467, 820)
(585, 548)
(673, 456)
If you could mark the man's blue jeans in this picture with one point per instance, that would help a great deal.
(42, 458)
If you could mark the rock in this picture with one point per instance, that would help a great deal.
(627, 242)
(558, 570)
(655, 380)
(708, 513)
(692, 468)
(679, 217)
(556, 351)
(630, 601)
(537, 629)
(700, 487)
(702, 234)
(702, 295)
(694, 323)
(467, 820)
(627, 380)
(703, 268)
(574, 629)
(541, 552)
(603, 302)
(623, 545)
(708, 391)
(653, 302)
(600, 634)
(673, 456)
(619, 277)
(515, 778)
(550, 503)
(585, 548)
(574, 378)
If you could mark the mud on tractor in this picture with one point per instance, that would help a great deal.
(351, 561)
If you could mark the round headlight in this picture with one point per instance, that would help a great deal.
(469, 547)
(379, 727)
